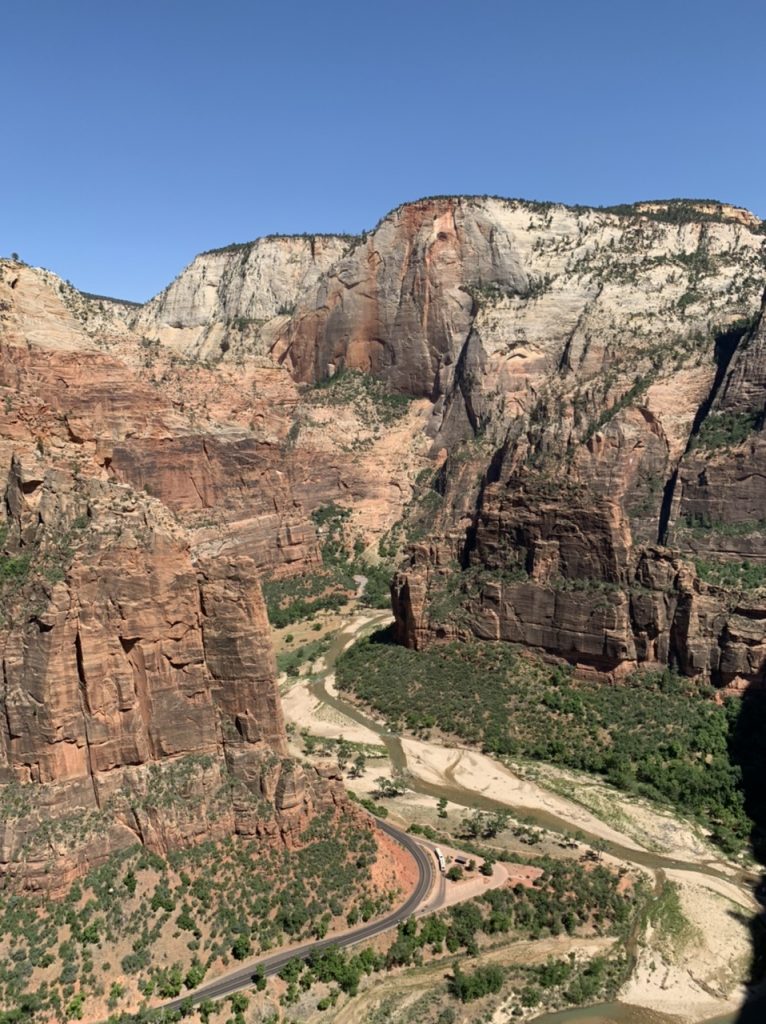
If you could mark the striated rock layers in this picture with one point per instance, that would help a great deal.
(576, 466)
(600, 374)
(556, 556)
(480, 304)
(552, 569)
(139, 688)
(222, 300)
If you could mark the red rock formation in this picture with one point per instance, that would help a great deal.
(127, 669)
(565, 363)
(139, 685)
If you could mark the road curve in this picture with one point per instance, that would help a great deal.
(242, 976)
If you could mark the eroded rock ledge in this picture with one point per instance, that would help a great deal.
(139, 689)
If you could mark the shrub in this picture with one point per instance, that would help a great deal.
(481, 982)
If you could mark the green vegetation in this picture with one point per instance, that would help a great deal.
(566, 898)
(328, 747)
(331, 587)
(484, 824)
(551, 985)
(671, 211)
(725, 429)
(291, 661)
(232, 912)
(391, 787)
(449, 593)
(111, 298)
(372, 399)
(369, 805)
(300, 597)
(137, 901)
(24, 568)
(247, 247)
(418, 515)
(656, 734)
(484, 980)
(13, 568)
(702, 526)
(672, 929)
(732, 575)
(629, 398)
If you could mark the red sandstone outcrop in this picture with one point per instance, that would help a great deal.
(483, 304)
(139, 687)
(563, 363)
(653, 610)
(555, 560)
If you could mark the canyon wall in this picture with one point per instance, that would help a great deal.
(616, 517)
(139, 685)
(550, 418)
(222, 301)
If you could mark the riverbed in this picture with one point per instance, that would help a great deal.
(704, 985)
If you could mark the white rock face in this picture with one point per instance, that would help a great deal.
(612, 298)
(222, 301)
(39, 308)
(490, 306)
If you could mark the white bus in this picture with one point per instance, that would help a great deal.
(440, 858)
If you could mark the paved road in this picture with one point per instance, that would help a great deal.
(242, 976)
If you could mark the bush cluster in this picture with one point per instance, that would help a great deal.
(656, 734)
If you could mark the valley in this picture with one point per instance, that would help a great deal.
(692, 976)
(456, 524)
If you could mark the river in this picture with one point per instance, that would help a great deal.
(606, 1013)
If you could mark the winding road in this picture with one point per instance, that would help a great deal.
(242, 976)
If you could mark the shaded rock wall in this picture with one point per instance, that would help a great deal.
(557, 556)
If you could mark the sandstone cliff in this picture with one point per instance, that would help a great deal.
(221, 302)
(130, 669)
(565, 435)
(587, 348)
(481, 304)
(561, 553)
(139, 686)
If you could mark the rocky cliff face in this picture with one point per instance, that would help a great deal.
(225, 298)
(552, 568)
(482, 304)
(132, 668)
(593, 352)
(561, 553)
(565, 434)
(139, 686)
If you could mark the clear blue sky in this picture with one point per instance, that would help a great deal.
(136, 134)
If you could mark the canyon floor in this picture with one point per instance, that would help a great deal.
(687, 971)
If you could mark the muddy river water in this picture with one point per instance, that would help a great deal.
(618, 1013)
